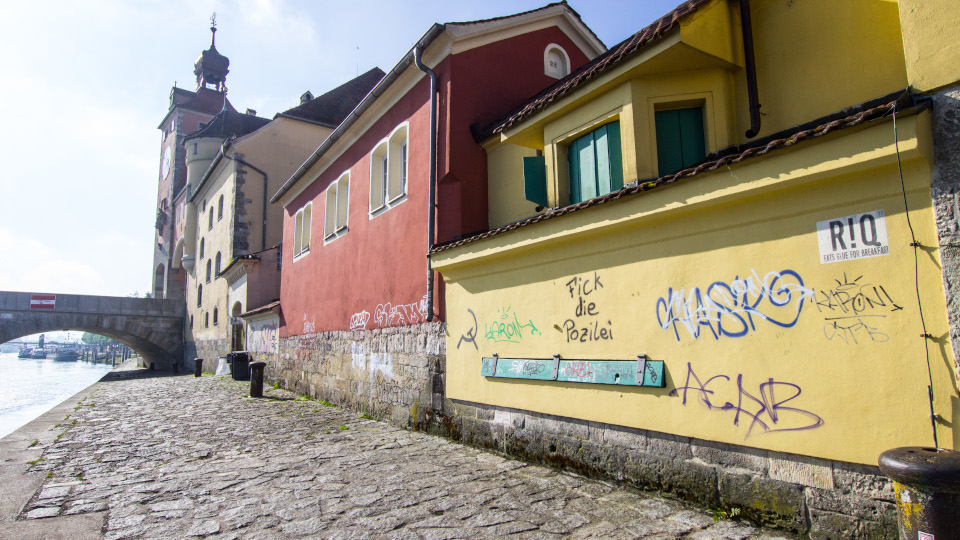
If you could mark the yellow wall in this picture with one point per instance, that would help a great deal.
(813, 58)
(752, 226)
(931, 42)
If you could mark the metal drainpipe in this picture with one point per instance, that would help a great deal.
(263, 233)
(432, 218)
(751, 69)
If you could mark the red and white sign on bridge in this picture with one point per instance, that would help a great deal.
(43, 301)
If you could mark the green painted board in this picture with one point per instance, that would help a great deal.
(598, 371)
(616, 372)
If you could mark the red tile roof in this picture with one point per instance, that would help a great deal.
(736, 154)
(595, 67)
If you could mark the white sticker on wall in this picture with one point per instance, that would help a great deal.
(853, 237)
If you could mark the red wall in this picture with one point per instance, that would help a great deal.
(487, 83)
(375, 275)
(379, 264)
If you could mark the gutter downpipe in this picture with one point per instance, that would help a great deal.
(751, 67)
(432, 216)
(263, 232)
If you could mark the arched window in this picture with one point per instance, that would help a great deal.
(209, 268)
(191, 322)
(220, 208)
(199, 295)
(210, 219)
(556, 62)
(301, 230)
(201, 248)
(388, 171)
(335, 211)
(217, 267)
(215, 313)
(206, 320)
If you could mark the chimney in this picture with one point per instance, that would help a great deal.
(305, 97)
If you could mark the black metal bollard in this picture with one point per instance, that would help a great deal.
(197, 366)
(927, 486)
(256, 379)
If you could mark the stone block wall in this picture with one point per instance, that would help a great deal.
(209, 349)
(946, 203)
(823, 498)
(393, 374)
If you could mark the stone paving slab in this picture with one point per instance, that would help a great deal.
(164, 456)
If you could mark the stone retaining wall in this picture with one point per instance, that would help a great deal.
(209, 349)
(802, 494)
(397, 375)
(394, 374)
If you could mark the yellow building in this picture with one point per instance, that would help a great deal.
(707, 256)
(229, 249)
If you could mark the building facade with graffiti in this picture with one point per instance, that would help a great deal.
(689, 292)
(362, 311)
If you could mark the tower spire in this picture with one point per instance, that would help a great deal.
(212, 67)
(213, 30)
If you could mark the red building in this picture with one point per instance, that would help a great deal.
(361, 317)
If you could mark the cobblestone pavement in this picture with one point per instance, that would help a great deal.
(175, 456)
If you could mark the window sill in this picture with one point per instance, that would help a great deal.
(390, 204)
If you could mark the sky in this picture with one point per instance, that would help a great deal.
(86, 82)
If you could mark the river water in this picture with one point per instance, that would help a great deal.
(33, 387)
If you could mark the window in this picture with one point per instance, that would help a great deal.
(210, 219)
(595, 164)
(335, 210)
(388, 171)
(201, 248)
(206, 320)
(301, 231)
(191, 322)
(196, 147)
(208, 270)
(680, 141)
(199, 295)
(215, 312)
(220, 208)
(556, 63)
(217, 265)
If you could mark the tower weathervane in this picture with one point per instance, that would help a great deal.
(213, 29)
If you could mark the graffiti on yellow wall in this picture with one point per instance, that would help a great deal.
(736, 308)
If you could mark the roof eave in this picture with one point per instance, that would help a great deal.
(358, 111)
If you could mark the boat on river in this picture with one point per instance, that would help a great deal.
(25, 352)
(68, 352)
(39, 353)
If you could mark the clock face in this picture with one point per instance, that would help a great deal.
(165, 166)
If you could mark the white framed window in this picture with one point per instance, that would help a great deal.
(301, 231)
(216, 266)
(556, 62)
(336, 208)
(388, 171)
(210, 219)
(220, 208)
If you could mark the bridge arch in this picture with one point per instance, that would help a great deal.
(151, 327)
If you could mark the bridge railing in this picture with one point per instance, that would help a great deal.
(79, 303)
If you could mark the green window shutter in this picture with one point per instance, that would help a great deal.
(680, 141)
(669, 154)
(535, 180)
(616, 161)
(595, 163)
(691, 135)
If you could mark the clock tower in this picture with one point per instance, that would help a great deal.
(188, 112)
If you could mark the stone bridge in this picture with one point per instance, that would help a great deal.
(150, 326)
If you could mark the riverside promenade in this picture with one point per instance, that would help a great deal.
(149, 455)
